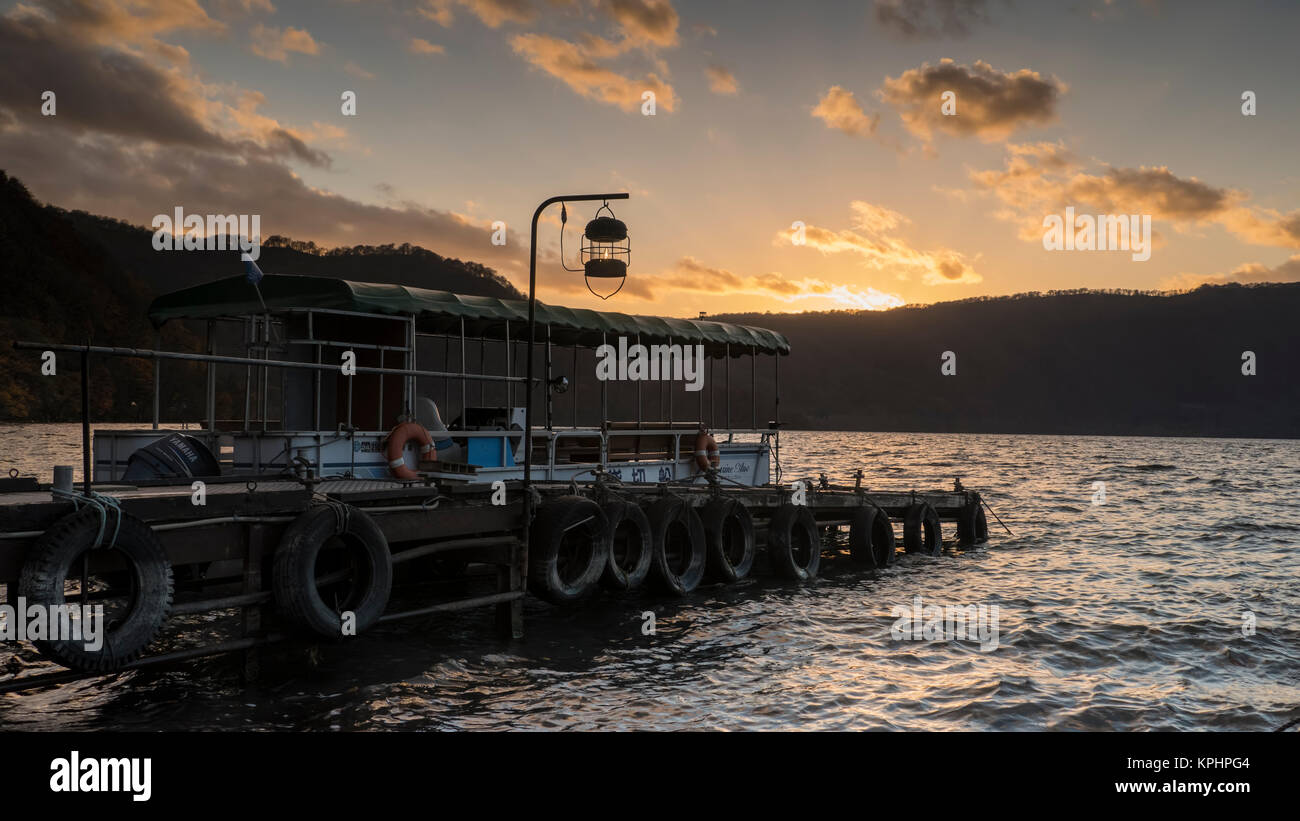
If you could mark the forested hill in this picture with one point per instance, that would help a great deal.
(76, 277)
(1062, 362)
(132, 247)
(1059, 362)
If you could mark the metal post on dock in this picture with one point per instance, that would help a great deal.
(464, 418)
(728, 385)
(85, 421)
(670, 383)
(753, 388)
(212, 383)
(604, 403)
(528, 382)
(549, 399)
(157, 378)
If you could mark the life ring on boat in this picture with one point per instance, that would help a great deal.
(397, 439)
(706, 451)
(332, 560)
(121, 551)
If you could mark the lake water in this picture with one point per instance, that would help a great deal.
(1133, 614)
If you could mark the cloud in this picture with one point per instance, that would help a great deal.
(645, 22)
(689, 274)
(492, 13)
(420, 46)
(990, 104)
(872, 238)
(276, 44)
(931, 19)
(1044, 178)
(357, 71)
(721, 81)
(839, 109)
(1250, 272)
(569, 63)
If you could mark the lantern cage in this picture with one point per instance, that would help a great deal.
(605, 251)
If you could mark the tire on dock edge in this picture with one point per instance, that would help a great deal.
(294, 570)
(921, 530)
(680, 555)
(50, 560)
(729, 534)
(568, 549)
(794, 543)
(630, 546)
(871, 537)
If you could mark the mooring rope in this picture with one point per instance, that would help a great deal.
(102, 504)
(995, 516)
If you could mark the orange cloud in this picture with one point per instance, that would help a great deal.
(418, 45)
(568, 62)
(689, 274)
(839, 109)
(874, 241)
(721, 81)
(1043, 178)
(275, 44)
(990, 104)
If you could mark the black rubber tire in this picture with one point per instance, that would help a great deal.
(729, 534)
(51, 559)
(921, 530)
(972, 526)
(794, 543)
(680, 552)
(567, 549)
(871, 537)
(630, 547)
(294, 571)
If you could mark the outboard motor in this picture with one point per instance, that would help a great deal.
(174, 456)
(426, 413)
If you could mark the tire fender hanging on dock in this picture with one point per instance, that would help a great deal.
(794, 544)
(568, 549)
(871, 537)
(630, 554)
(921, 530)
(972, 525)
(119, 545)
(680, 553)
(343, 547)
(729, 533)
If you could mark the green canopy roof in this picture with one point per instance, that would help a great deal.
(442, 312)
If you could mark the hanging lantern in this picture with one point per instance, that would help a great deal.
(605, 252)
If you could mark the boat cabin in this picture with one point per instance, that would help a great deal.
(312, 375)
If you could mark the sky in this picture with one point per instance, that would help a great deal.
(799, 156)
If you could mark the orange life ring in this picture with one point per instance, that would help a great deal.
(397, 439)
(706, 451)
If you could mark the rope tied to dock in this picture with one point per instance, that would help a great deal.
(101, 503)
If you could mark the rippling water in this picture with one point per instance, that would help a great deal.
(1125, 615)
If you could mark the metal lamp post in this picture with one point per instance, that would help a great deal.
(532, 334)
